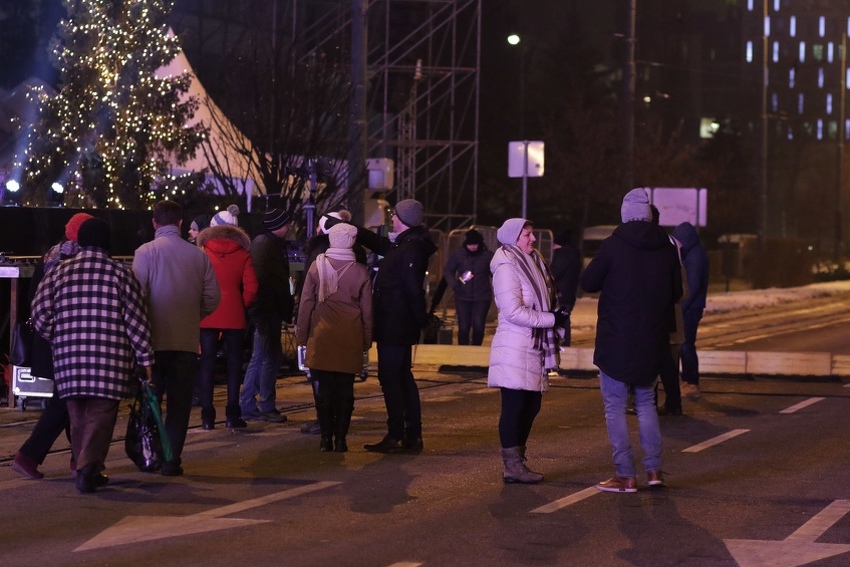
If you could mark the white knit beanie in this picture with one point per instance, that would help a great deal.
(226, 217)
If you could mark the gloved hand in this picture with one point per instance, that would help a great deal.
(562, 315)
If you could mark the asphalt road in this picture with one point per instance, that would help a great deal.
(757, 475)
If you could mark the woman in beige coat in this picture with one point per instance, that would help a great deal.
(335, 324)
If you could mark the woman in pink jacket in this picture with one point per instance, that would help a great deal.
(227, 247)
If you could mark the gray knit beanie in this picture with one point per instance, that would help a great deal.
(636, 206)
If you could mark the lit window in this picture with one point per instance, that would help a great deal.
(802, 52)
(750, 5)
(820, 77)
(775, 51)
(775, 5)
(767, 26)
(792, 73)
(820, 129)
(829, 103)
(793, 30)
(817, 52)
(790, 133)
(749, 52)
(847, 78)
(822, 26)
(800, 103)
(774, 102)
(847, 129)
(830, 52)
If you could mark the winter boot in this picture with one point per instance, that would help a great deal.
(342, 420)
(208, 418)
(515, 469)
(325, 413)
(521, 449)
(233, 413)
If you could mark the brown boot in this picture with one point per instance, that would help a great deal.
(515, 470)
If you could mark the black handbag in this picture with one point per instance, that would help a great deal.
(22, 337)
(146, 442)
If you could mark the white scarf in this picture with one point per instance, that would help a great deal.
(328, 276)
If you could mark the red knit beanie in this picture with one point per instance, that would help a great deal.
(73, 226)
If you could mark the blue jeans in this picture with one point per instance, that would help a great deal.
(261, 374)
(614, 397)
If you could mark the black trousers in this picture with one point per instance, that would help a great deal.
(53, 421)
(174, 378)
(401, 395)
(519, 408)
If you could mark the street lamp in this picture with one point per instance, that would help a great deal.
(515, 39)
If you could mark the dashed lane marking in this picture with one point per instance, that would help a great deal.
(801, 405)
(714, 441)
(566, 501)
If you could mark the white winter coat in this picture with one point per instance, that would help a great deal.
(514, 362)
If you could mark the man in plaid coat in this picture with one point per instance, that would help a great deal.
(90, 308)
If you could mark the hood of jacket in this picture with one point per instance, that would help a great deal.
(642, 235)
(686, 233)
(223, 239)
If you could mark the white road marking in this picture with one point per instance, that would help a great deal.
(406, 564)
(566, 501)
(797, 549)
(134, 529)
(802, 405)
(716, 440)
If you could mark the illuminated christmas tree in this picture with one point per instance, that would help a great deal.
(115, 128)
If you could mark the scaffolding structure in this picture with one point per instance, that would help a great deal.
(421, 81)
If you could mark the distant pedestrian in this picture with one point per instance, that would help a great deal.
(636, 271)
(227, 247)
(180, 287)
(90, 307)
(566, 268)
(695, 261)
(525, 346)
(54, 419)
(272, 308)
(335, 324)
(467, 272)
(198, 224)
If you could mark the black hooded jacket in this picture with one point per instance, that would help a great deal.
(637, 272)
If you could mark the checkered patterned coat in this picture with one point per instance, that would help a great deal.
(90, 308)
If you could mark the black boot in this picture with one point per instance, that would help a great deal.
(324, 412)
(208, 418)
(344, 407)
(85, 481)
(233, 413)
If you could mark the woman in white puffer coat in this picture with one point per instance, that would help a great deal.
(525, 346)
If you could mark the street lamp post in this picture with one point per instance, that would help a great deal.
(515, 39)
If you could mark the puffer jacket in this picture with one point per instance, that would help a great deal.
(695, 261)
(227, 247)
(462, 260)
(514, 362)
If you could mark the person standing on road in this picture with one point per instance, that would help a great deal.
(273, 306)
(180, 287)
(566, 268)
(467, 272)
(400, 314)
(54, 419)
(227, 247)
(335, 324)
(525, 346)
(90, 307)
(695, 261)
(637, 272)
